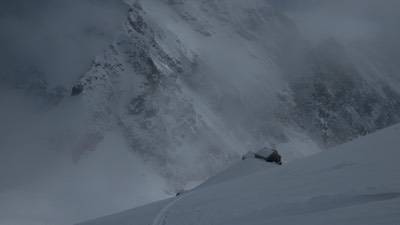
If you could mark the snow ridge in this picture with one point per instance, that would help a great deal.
(356, 183)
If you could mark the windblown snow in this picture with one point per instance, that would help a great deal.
(108, 105)
(357, 183)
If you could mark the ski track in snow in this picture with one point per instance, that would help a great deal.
(348, 185)
(161, 217)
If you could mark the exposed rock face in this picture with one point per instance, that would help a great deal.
(336, 103)
(135, 87)
(77, 90)
(178, 90)
(193, 84)
(175, 106)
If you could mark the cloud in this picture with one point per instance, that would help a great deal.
(55, 37)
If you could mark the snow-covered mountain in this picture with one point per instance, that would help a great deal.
(190, 81)
(355, 183)
(144, 98)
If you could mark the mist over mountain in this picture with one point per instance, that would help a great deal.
(107, 99)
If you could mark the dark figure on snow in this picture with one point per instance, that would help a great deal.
(274, 157)
(269, 155)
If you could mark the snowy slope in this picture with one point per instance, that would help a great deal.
(189, 81)
(356, 183)
(182, 88)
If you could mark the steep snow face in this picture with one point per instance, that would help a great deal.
(347, 75)
(190, 81)
(166, 86)
(356, 183)
(183, 90)
(338, 100)
(136, 87)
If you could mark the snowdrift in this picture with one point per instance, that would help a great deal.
(356, 183)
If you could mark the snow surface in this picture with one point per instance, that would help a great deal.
(356, 183)
(181, 90)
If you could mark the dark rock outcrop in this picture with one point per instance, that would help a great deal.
(77, 89)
